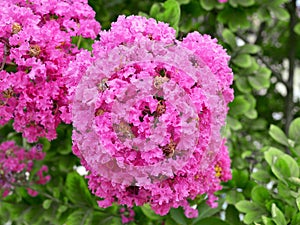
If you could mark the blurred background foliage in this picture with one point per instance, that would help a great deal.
(263, 128)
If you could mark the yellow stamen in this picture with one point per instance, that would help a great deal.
(218, 171)
(16, 28)
(35, 50)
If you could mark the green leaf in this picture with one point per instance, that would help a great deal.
(261, 175)
(233, 3)
(297, 28)
(211, 221)
(259, 82)
(234, 124)
(79, 217)
(47, 203)
(292, 165)
(277, 215)
(207, 4)
(247, 206)
(100, 218)
(178, 216)
(296, 219)
(254, 216)
(77, 191)
(240, 177)
(229, 38)
(260, 194)
(168, 12)
(170, 221)
(267, 221)
(278, 135)
(183, 2)
(249, 49)
(205, 211)
(279, 12)
(233, 215)
(232, 197)
(239, 106)
(243, 85)
(146, 209)
(242, 60)
(294, 180)
(298, 202)
(33, 215)
(294, 130)
(246, 3)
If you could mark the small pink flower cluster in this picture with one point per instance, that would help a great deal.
(15, 166)
(223, 1)
(148, 115)
(36, 56)
(127, 215)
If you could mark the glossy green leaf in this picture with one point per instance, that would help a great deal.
(253, 216)
(233, 215)
(298, 202)
(229, 38)
(267, 221)
(207, 4)
(297, 28)
(278, 135)
(146, 209)
(242, 60)
(168, 12)
(80, 217)
(239, 106)
(234, 123)
(296, 219)
(47, 203)
(247, 206)
(259, 82)
(260, 194)
(277, 215)
(261, 175)
(279, 12)
(246, 3)
(232, 197)
(211, 221)
(249, 49)
(77, 190)
(294, 130)
(178, 216)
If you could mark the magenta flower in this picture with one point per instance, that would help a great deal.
(36, 53)
(148, 115)
(223, 1)
(16, 165)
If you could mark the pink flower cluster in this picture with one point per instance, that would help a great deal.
(148, 113)
(16, 165)
(127, 215)
(223, 1)
(36, 56)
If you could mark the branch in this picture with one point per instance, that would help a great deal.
(292, 43)
(5, 52)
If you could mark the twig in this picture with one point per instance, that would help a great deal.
(5, 52)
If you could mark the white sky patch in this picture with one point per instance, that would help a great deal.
(81, 170)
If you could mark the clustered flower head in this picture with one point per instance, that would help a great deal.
(36, 59)
(127, 215)
(148, 115)
(16, 165)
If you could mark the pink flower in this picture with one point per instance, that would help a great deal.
(148, 114)
(36, 41)
(223, 1)
(15, 165)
